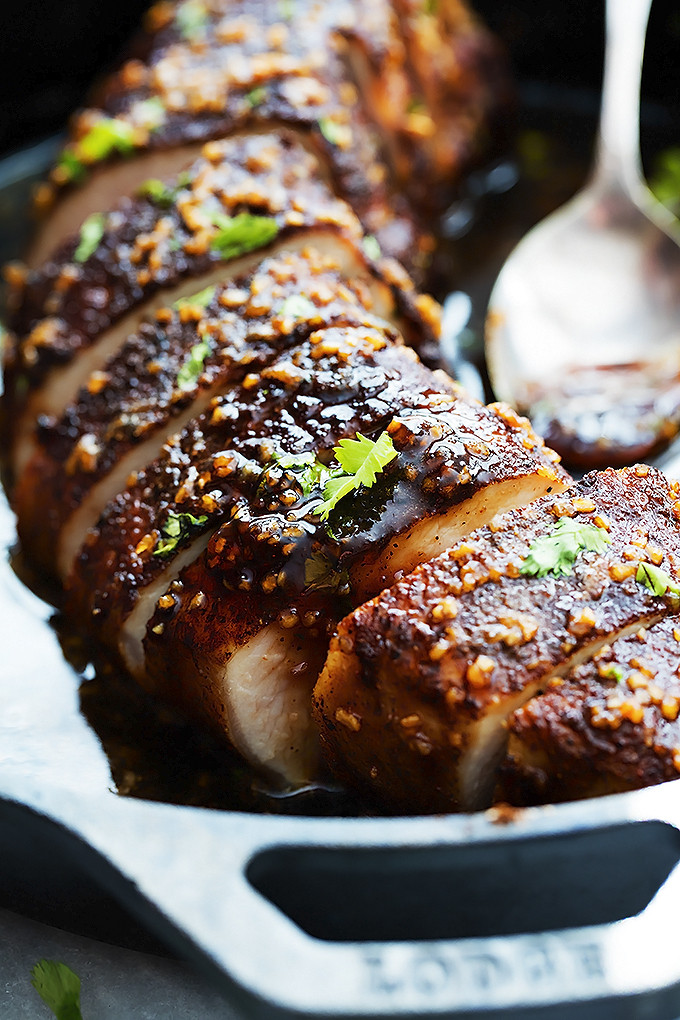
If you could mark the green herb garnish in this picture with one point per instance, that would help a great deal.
(191, 19)
(613, 672)
(242, 233)
(309, 472)
(162, 194)
(187, 377)
(371, 247)
(322, 574)
(286, 9)
(256, 96)
(202, 298)
(177, 527)
(91, 234)
(556, 553)
(361, 460)
(297, 306)
(656, 580)
(332, 131)
(59, 989)
(107, 136)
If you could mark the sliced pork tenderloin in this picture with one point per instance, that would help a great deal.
(609, 725)
(419, 684)
(164, 376)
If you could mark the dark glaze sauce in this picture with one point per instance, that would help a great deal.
(609, 415)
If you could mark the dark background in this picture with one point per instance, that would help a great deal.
(50, 50)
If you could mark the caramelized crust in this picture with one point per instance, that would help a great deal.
(609, 725)
(210, 69)
(126, 410)
(413, 700)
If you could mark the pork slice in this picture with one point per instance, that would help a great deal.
(76, 311)
(155, 385)
(414, 699)
(607, 726)
(304, 579)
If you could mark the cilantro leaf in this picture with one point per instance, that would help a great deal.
(106, 137)
(187, 377)
(59, 988)
(332, 131)
(310, 473)
(297, 306)
(242, 233)
(191, 19)
(656, 580)
(177, 527)
(613, 672)
(361, 460)
(162, 194)
(91, 234)
(323, 574)
(256, 96)
(371, 247)
(665, 181)
(286, 9)
(202, 299)
(71, 167)
(556, 553)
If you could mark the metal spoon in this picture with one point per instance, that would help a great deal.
(583, 328)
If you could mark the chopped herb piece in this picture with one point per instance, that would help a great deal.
(297, 306)
(322, 574)
(91, 234)
(361, 461)
(150, 113)
(656, 580)
(242, 233)
(202, 299)
(371, 247)
(187, 377)
(106, 137)
(613, 672)
(71, 167)
(191, 19)
(556, 553)
(309, 471)
(286, 9)
(256, 96)
(59, 989)
(332, 131)
(430, 6)
(177, 527)
(160, 193)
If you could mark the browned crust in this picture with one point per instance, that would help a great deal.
(465, 632)
(249, 64)
(138, 393)
(610, 725)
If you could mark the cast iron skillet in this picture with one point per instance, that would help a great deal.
(550, 912)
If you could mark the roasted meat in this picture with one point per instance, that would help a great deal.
(395, 100)
(419, 685)
(240, 486)
(609, 725)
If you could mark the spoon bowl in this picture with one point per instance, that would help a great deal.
(583, 327)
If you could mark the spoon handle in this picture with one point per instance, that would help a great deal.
(617, 160)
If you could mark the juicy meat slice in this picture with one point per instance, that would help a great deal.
(609, 725)
(226, 472)
(245, 69)
(162, 378)
(419, 683)
(241, 198)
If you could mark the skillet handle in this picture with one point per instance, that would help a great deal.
(291, 974)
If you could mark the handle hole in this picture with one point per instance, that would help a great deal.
(509, 887)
